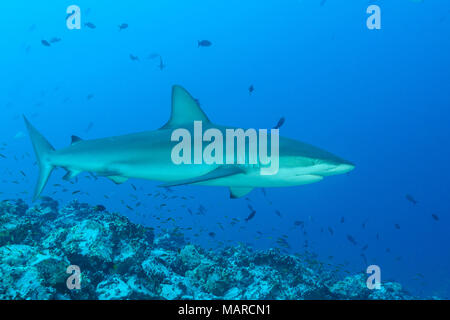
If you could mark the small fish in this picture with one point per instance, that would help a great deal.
(278, 213)
(90, 25)
(90, 96)
(397, 226)
(351, 239)
(299, 223)
(363, 256)
(89, 127)
(212, 234)
(134, 187)
(23, 173)
(203, 43)
(75, 192)
(251, 89)
(123, 26)
(250, 216)
(411, 199)
(152, 56)
(263, 192)
(342, 220)
(435, 217)
(161, 64)
(134, 58)
(99, 208)
(45, 43)
(280, 123)
(55, 39)
(330, 230)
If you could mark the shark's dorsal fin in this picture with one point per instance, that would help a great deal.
(185, 109)
(75, 139)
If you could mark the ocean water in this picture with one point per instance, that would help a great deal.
(378, 98)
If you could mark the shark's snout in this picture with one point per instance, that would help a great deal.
(331, 168)
(344, 168)
(340, 167)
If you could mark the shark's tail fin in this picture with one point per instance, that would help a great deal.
(43, 149)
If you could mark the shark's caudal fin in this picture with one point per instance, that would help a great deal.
(185, 109)
(43, 149)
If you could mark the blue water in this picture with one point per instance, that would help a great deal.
(379, 98)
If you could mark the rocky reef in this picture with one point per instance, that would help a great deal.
(122, 260)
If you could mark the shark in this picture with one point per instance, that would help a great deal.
(147, 155)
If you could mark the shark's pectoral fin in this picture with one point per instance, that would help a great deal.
(237, 192)
(217, 173)
(117, 179)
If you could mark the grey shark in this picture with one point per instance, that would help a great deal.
(147, 155)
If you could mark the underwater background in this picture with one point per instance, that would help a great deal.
(379, 98)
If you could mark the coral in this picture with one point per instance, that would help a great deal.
(122, 260)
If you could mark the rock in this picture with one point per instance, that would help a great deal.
(156, 272)
(113, 288)
(190, 257)
(24, 273)
(389, 291)
(218, 282)
(352, 287)
(233, 294)
(89, 242)
(171, 241)
(122, 260)
(170, 292)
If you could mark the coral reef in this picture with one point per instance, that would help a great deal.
(122, 260)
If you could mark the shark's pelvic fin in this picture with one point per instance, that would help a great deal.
(217, 173)
(185, 109)
(237, 192)
(70, 174)
(43, 150)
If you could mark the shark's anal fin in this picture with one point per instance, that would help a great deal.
(217, 173)
(237, 192)
(117, 179)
